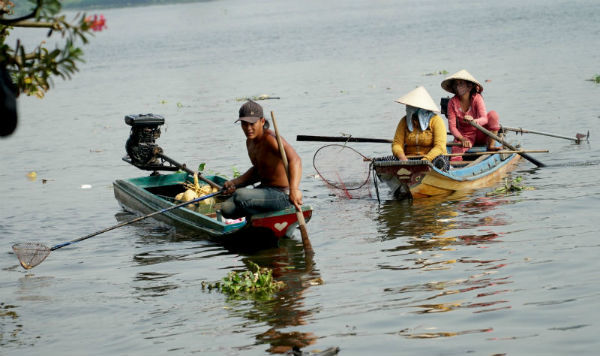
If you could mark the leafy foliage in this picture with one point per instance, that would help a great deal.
(511, 186)
(256, 283)
(202, 167)
(32, 70)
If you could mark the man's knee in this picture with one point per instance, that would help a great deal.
(228, 208)
(242, 196)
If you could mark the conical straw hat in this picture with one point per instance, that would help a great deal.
(448, 86)
(419, 98)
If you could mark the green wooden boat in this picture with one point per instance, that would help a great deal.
(145, 195)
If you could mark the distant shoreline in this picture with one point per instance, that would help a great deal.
(98, 4)
(22, 8)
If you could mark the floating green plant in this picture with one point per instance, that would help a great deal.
(595, 79)
(202, 167)
(439, 72)
(511, 186)
(255, 283)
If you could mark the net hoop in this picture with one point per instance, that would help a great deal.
(342, 167)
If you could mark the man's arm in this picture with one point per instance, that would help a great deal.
(295, 174)
(249, 177)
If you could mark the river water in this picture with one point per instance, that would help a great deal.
(476, 274)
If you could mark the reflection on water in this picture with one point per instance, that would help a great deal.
(30, 287)
(288, 262)
(427, 232)
(10, 327)
(153, 284)
(287, 309)
(412, 334)
(418, 219)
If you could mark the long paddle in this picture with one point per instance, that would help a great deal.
(351, 139)
(495, 137)
(340, 139)
(308, 250)
(577, 139)
(31, 254)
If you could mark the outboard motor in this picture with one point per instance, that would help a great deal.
(141, 146)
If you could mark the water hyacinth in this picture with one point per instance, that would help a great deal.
(511, 186)
(256, 283)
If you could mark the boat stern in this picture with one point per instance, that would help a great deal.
(281, 223)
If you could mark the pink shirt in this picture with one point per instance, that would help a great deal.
(456, 115)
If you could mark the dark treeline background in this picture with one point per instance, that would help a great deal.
(24, 6)
(87, 4)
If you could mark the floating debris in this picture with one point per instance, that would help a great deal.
(259, 97)
(439, 72)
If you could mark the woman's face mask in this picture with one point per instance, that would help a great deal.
(410, 110)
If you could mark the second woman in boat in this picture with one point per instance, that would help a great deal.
(421, 132)
(468, 105)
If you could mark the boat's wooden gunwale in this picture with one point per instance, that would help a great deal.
(137, 199)
(473, 176)
(136, 195)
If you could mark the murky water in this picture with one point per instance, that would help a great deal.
(470, 274)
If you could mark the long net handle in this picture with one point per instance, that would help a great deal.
(135, 220)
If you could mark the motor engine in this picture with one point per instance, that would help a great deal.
(141, 147)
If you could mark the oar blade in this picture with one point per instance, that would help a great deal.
(30, 254)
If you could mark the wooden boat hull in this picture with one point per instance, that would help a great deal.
(145, 195)
(420, 179)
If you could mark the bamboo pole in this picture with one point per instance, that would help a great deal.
(308, 250)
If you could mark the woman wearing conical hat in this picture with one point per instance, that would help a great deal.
(421, 131)
(467, 104)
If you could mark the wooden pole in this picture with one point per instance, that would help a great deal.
(495, 137)
(577, 139)
(308, 250)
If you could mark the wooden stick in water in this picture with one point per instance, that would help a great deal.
(308, 250)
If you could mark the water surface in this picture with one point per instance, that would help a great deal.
(470, 274)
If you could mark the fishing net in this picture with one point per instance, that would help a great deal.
(343, 168)
(30, 254)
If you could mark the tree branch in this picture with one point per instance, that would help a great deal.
(10, 22)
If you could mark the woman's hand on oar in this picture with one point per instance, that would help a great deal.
(31, 254)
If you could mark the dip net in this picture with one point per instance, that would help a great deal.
(344, 169)
(31, 254)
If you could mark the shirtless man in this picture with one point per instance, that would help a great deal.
(274, 192)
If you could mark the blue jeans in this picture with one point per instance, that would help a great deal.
(249, 201)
